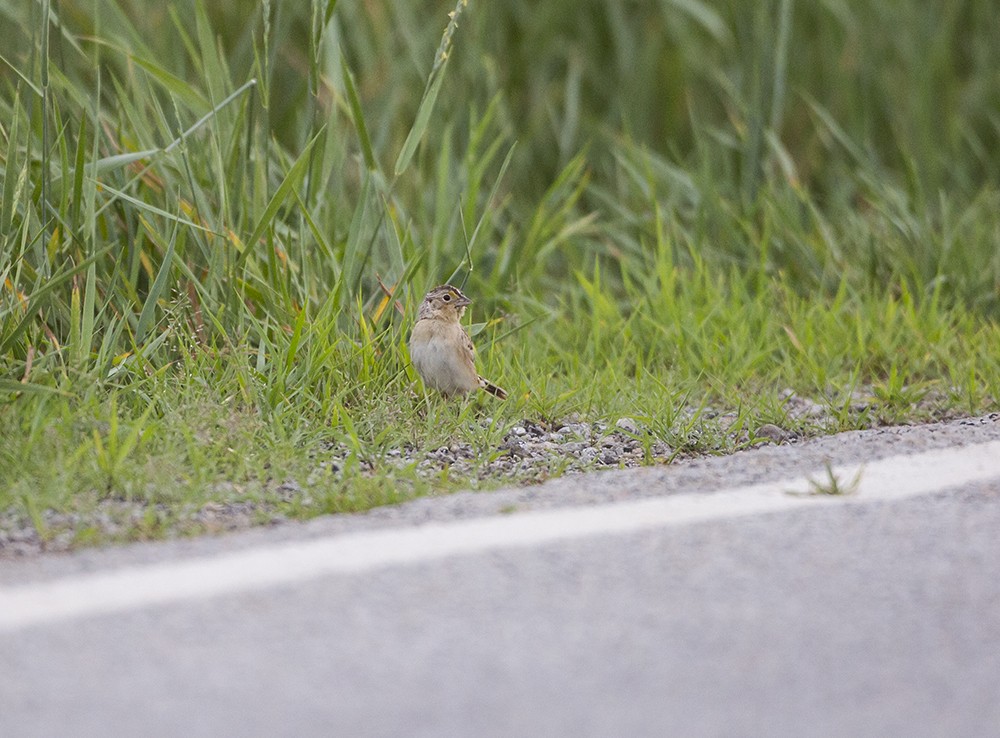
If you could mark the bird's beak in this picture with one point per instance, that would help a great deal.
(461, 301)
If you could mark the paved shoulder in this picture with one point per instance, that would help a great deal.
(846, 586)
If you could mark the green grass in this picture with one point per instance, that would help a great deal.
(217, 219)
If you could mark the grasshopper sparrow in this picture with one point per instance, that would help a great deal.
(441, 350)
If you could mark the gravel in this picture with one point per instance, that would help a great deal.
(530, 452)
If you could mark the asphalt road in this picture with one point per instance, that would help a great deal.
(872, 617)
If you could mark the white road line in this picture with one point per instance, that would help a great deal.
(135, 587)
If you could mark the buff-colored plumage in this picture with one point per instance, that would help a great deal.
(440, 349)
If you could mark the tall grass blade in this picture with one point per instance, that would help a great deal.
(780, 77)
(148, 313)
(31, 85)
(14, 387)
(423, 118)
(358, 116)
(431, 90)
(292, 180)
(79, 164)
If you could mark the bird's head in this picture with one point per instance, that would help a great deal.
(444, 302)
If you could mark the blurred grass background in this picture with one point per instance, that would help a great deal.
(222, 215)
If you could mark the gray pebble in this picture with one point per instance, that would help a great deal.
(771, 432)
(627, 425)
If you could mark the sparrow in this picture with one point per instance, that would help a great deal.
(441, 350)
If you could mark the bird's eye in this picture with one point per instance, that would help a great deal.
(446, 298)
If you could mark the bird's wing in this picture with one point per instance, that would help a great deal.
(468, 344)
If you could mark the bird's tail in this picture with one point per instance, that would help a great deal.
(488, 386)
